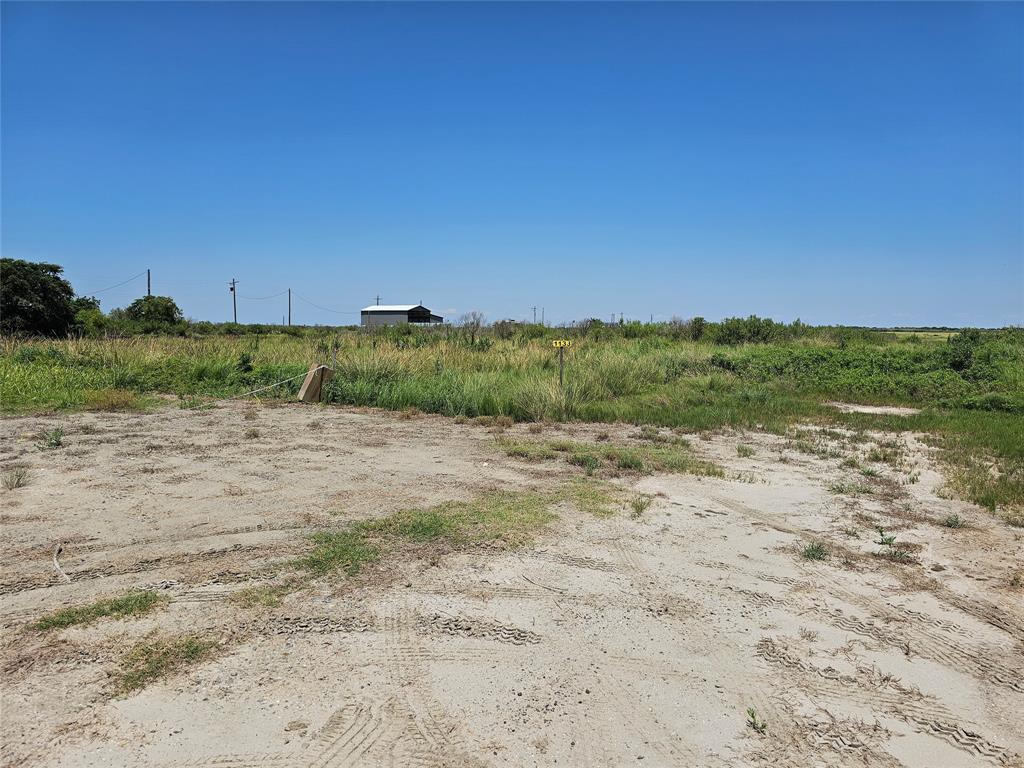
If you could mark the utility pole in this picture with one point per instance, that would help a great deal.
(534, 315)
(149, 284)
(542, 315)
(234, 300)
(378, 299)
(289, 306)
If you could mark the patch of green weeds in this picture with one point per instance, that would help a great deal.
(814, 551)
(850, 489)
(157, 657)
(267, 596)
(51, 439)
(640, 504)
(132, 604)
(954, 521)
(594, 496)
(346, 550)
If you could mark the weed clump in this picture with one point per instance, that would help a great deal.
(17, 477)
(849, 489)
(814, 551)
(595, 497)
(51, 439)
(132, 604)
(643, 459)
(269, 596)
(347, 551)
(500, 517)
(157, 657)
(754, 722)
(744, 451)
(639, 505)
(954, 521)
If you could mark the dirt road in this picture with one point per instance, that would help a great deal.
(608, 641)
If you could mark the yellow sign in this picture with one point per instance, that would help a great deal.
(561, 343)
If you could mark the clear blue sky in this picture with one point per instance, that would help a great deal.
(841, 163)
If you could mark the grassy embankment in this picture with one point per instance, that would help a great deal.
(971, 390)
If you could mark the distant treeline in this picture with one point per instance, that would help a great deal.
(35, 300)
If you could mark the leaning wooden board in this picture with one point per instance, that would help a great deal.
(312, 386)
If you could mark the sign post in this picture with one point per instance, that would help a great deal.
(560, 345)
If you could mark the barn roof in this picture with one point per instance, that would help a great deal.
(390, 307)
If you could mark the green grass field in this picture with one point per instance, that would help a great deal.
(970, 387)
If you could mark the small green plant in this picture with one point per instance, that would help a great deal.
(870, 472)
(132, 604)
(753, 721)
(639, 505)
(815, 551)
(954, 521)
(744, 451)
(18, 477)
(155, 657)
(899, 553)
(50, 439)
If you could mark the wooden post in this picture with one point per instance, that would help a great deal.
(560, 345)
(314, 383)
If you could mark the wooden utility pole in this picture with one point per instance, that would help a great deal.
(234, 299)
(149, 284)
(289, 306)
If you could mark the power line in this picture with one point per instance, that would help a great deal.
(325, 309)
(264, 298)
(112, 287)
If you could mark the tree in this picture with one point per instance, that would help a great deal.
(34, 298)
(471, 323)
(154, 309)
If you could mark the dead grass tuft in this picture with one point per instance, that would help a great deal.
(16, 477)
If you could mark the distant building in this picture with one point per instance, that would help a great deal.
(396, 314)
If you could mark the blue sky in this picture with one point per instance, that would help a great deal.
(840, 163)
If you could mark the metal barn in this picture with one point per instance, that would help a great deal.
(396, 314)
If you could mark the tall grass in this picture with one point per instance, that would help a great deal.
(972, 390)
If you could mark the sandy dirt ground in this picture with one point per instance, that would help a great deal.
(609, 641)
